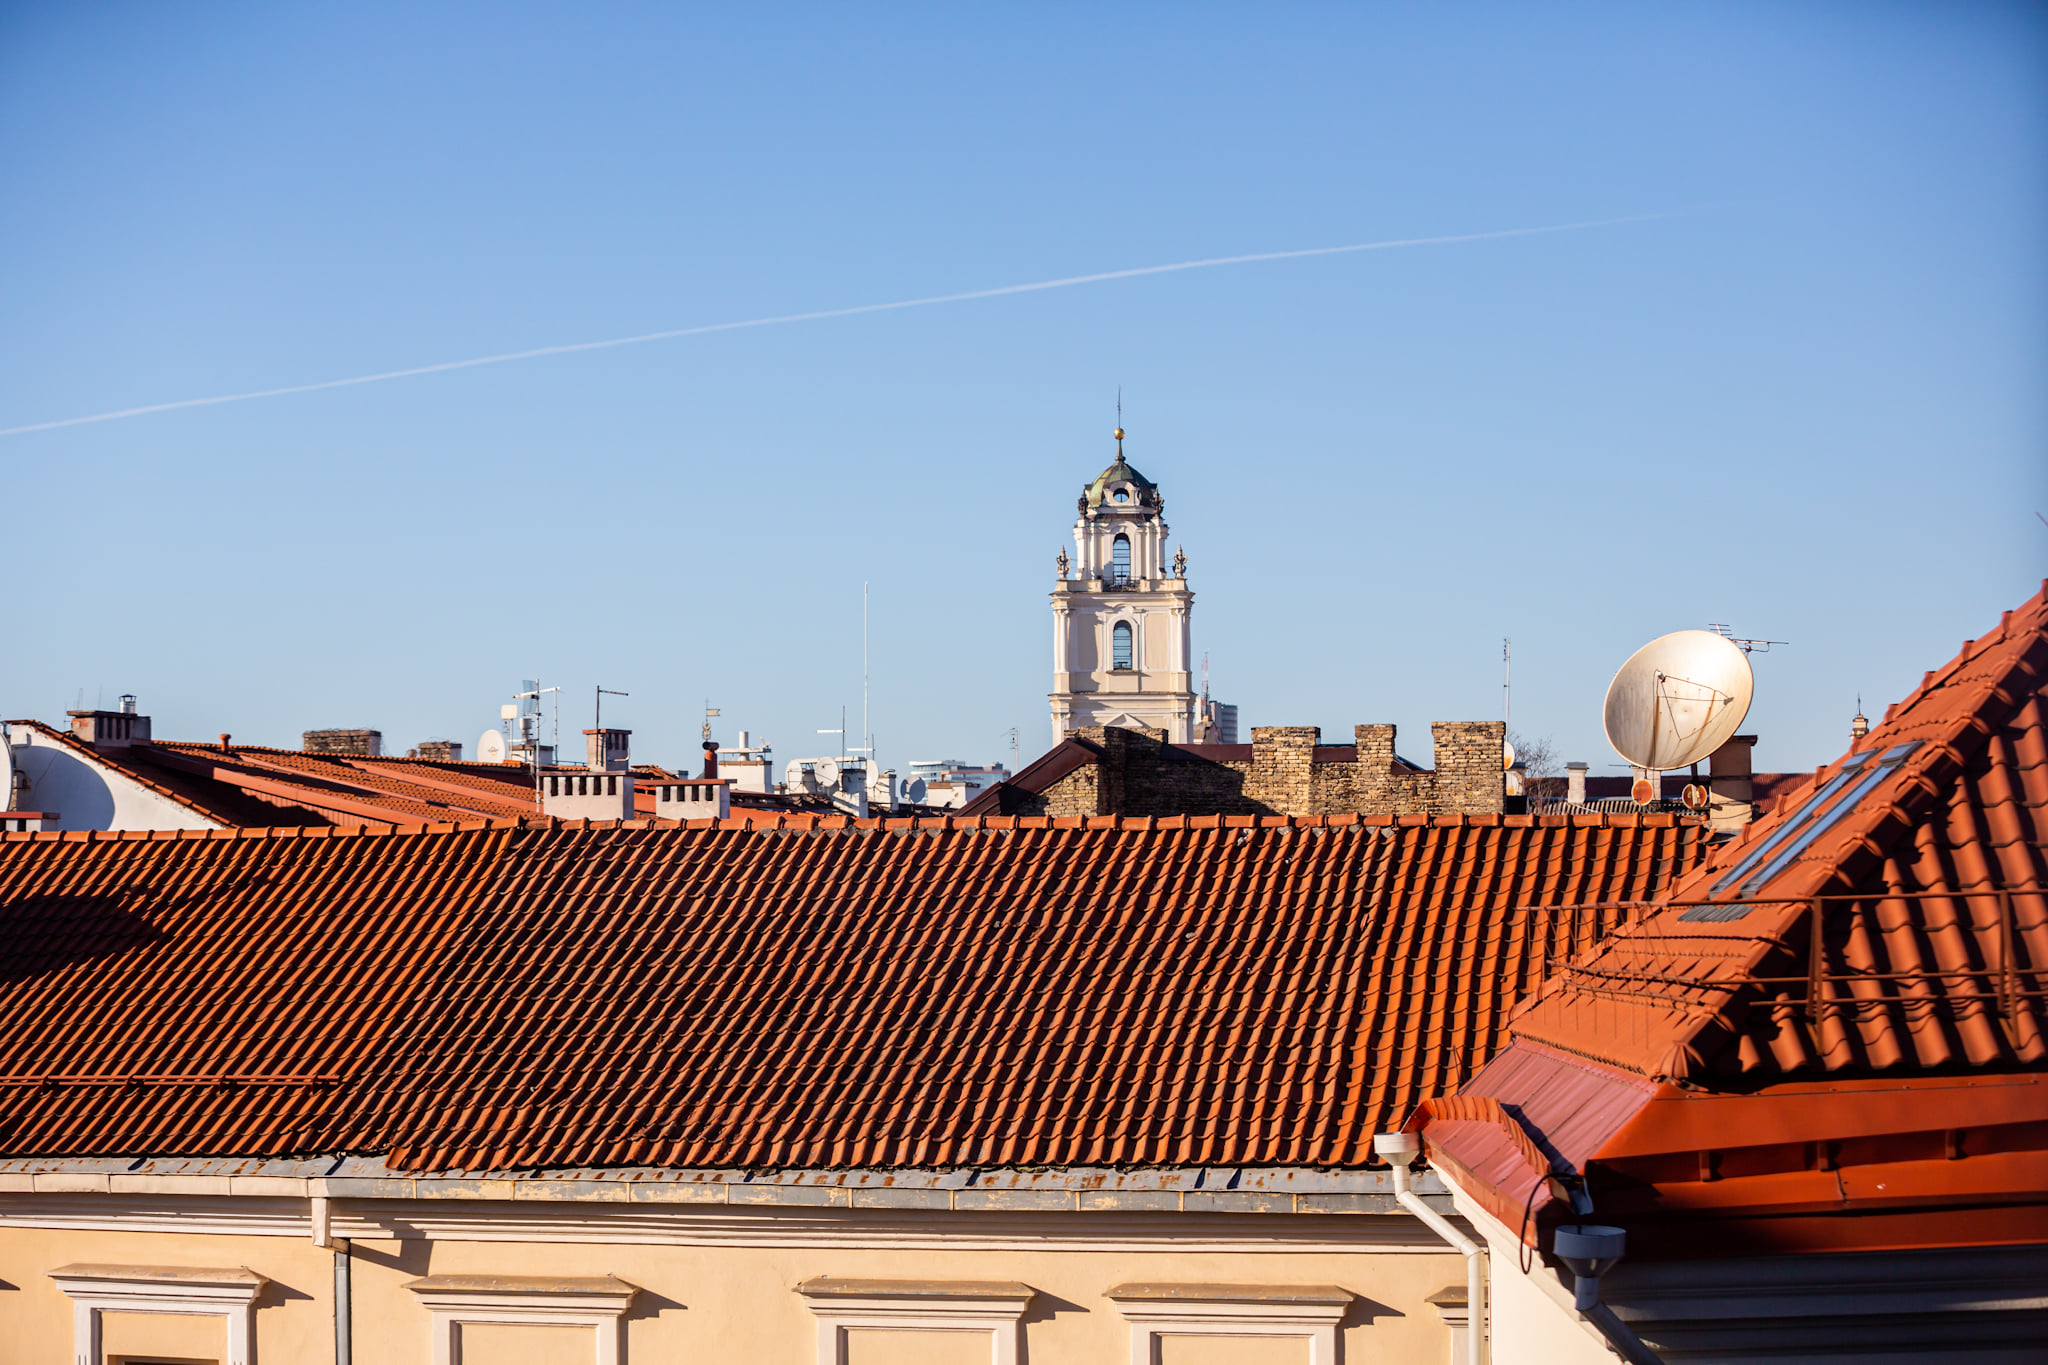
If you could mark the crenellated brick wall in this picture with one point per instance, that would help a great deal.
(1287, 772)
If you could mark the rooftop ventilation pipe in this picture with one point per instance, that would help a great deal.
(1399, 1149)
(710, 759)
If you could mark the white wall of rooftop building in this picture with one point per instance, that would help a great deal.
(83, 793)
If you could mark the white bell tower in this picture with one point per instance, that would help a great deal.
(1120, 615)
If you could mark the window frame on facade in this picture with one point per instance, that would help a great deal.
(1123, 647)
(186, 1291)
(844, 1306)
(599, 1303)
(1155, 1311)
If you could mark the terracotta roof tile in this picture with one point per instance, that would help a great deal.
(1931, 839)
(1847, 1005)
(780, 990)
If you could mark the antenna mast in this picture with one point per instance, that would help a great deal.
(1507, 697)
(867, 735)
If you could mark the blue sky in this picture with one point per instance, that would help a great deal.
(1810, 403)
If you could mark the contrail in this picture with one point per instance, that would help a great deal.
(1066, 282)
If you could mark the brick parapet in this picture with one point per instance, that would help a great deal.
(1470, 777)
(1139, 775)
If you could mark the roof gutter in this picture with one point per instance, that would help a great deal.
(1589, 1251)
(1399, 1149)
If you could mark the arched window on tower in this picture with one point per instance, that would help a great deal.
(1120, 559)
(1120, 645)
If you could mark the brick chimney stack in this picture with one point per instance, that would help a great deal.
(359, 743)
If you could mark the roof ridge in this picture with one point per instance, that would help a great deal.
(783, 821)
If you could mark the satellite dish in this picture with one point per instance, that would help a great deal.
(490, 747)
(6, 772)
(1507, 756)
(1678, 699)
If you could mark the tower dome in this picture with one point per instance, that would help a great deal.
(1120, 486)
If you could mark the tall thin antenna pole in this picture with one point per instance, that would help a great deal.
(1507, 697)
(867, 736)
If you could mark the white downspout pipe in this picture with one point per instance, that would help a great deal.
(1399, 1149)
(322, 1229)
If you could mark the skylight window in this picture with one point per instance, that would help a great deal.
(1850, 767)
(1817, 819)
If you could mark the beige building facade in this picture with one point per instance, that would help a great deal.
(119, 1268)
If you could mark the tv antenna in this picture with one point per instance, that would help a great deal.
(841, 732)
(1722, 629)
(602, 693)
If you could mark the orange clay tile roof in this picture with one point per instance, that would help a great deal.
(1750, 1059)
(1931, 832)
(785, 991)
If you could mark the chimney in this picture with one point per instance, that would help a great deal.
(852, 793)
(111, 729)
(573, 795)
(1731, 793)
(358, 743)
(606, 750)
(1575, 784)
(439, 750)
(710, 759)
(687, 798)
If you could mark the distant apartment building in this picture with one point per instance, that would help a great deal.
(948, 783)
